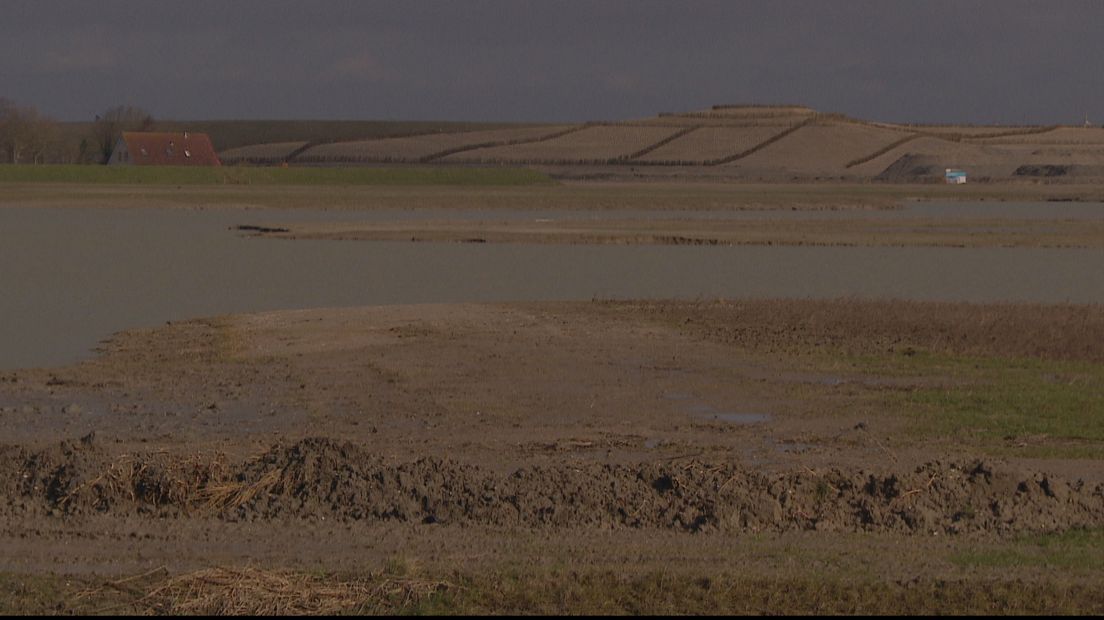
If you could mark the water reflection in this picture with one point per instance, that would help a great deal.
(70, 277)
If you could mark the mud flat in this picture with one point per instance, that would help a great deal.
(857, 455)
(859, 231)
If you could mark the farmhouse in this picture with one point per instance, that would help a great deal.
(149, 148)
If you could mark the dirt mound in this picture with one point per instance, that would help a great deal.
(913, 167)
(327, 479)
(1042, 170)
(77, 477)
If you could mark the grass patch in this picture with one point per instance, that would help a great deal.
(997, 400)
(34, 594)
(256, 591)
(232, 175)
(1080, 549)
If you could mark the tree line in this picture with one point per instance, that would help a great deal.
(29, 137)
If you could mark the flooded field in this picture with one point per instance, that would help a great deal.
(334, 403)
(74, 276)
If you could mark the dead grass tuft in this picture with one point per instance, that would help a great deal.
(231, 494)
(255, 591)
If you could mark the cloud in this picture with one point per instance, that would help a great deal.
(552, 59)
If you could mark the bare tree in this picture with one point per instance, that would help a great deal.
(110, 125)
(9, 122)
(42, 137)
(25, 135)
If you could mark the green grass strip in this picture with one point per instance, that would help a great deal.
(1077, 549)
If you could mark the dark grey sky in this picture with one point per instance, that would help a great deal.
(998, 61)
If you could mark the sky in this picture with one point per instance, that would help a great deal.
(968, 61)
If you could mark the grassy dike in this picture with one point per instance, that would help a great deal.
(233, 175)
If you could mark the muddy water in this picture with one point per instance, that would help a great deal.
(71, 277)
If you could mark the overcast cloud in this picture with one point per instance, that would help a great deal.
(936, 61)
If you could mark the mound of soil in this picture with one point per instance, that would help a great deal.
(327, 479)
(912, 167)
(1042, 170)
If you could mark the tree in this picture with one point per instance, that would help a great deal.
(24, 133)
(110, 125)
(9, 123)
(42, 137)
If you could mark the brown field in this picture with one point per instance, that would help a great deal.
(687, 144)
(956, 132)
(818, 150)
(596, 143)
(709, 143)
(1060, 136)
(707, 120)
(274, 152)
(415, 148)
(230, 134)
(938, 154)
(788, 114)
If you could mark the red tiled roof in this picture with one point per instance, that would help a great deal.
(170, 149)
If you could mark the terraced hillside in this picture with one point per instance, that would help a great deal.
(594, 144)
(415, 149)
(927, 156)
(761, 143)
(818, 150)
(1069, 153)
(1079, 136)
(709, 143)
(272, 153)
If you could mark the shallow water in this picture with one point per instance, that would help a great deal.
(70, 277)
